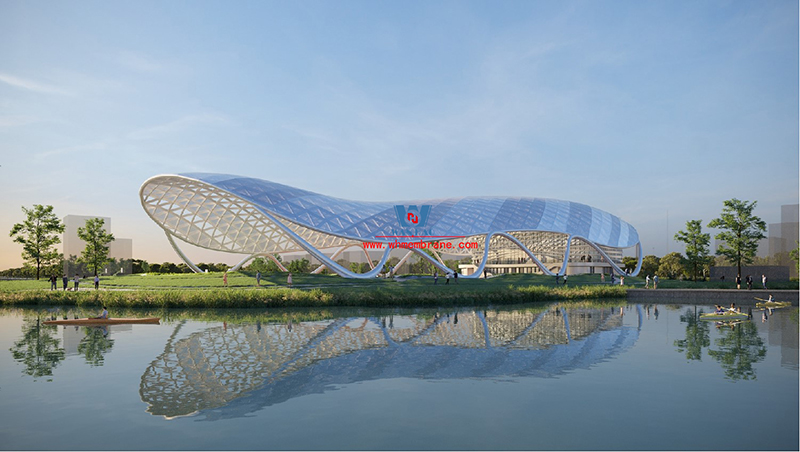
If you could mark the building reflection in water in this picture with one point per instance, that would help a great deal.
(232, 370)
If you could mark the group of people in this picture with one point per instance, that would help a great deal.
(447, 277)
(76, 280)
(647, 282)
(749, 281)
(722, 310)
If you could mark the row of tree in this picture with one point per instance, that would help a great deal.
(740, 232)
(40, 232)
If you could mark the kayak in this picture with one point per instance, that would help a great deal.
(773, 304)
(119, 321)
(724, 317)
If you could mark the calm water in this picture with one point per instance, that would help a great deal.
(643, 377)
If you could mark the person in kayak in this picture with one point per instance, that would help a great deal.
(103, 315)
(733, 308)
(720, 309)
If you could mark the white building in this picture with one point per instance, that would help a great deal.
(73, 246)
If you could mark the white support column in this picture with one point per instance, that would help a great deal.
(277, 262)
(239, 265)
(188, 262)
(369, 259)
(563, 270)
(333, 258)
(402, 261)
(438, 264)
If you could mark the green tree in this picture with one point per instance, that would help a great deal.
(741, 231)
(38, 235)
(795, 255)
(95, 254)
(696, 246)
(671, 265)
(629, 263)
(299, 266)
(650, 265)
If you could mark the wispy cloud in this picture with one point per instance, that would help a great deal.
(178, 125)
(31, 85)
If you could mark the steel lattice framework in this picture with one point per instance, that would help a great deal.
(254, 217)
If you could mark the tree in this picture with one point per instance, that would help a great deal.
(795, 255)
(299, 266)
(671, 265)
(696, 246)
(38, 235)
(650, 265)
(741, 231)
(629, 263)
(95, 254)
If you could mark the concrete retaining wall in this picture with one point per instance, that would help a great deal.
(710, 296)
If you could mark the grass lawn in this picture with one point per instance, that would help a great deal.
(189, 290)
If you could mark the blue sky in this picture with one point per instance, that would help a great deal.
(654, 111)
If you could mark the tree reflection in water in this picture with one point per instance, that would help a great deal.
(95, 345)
(38, 350)
(738, 347)
(696, 335)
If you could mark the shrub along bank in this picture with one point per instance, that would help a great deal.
(369, 294)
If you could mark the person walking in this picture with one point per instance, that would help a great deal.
(65, 281)
(446, 278)
(749, 281)
(738, 282)
(764, 281)
(76, 281)
(435, 277)
(53, 282)
(225, 278)
(289, 279)
(96, 282)
(455, 277)
(258, 278)
(655, 281)
(647, 282)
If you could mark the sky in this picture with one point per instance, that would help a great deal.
(656, 112)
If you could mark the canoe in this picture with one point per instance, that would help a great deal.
(773, 304)
(724, 317)
(112, 321)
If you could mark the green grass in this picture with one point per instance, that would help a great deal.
(206, 290)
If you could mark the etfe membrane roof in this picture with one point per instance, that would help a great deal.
(449, 217)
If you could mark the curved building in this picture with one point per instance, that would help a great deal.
(254, 217)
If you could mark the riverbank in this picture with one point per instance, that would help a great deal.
(709, 296)
(427, 296)
(207, 290)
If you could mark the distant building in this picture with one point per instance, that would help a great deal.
(120, 249)
(783, 237)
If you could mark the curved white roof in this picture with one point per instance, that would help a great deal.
(221, 211)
